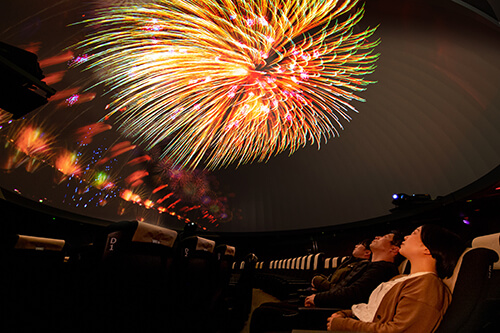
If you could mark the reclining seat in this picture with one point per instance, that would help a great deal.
(241, 295)
(32, 286)
(224, 259)
(135, 275)
(470, 285)
(219, 305)
(194, 283)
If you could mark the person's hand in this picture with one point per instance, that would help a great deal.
(309, 301)
(329, 325)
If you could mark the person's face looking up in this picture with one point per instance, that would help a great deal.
(413, 245)
(360, 251)
(382, 242)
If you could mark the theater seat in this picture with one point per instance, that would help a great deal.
(32, 283)
(240, 296)
(194, 284)
(224, 259)
(135, 276)
(475, 303)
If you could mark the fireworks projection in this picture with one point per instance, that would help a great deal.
(93, 175)
(230, 81)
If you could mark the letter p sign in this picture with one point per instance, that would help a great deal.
(112, 242)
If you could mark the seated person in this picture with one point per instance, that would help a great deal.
(354, 288)
(360, 254)
(414, 302)
(357, 286)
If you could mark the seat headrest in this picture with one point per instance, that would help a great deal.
(230, 251)
(39, 243)
(486, 254)
(148, 233)
(334, 262)
(327, 263)
(204, 244)
(452, 280)
(402, 266)
(317, 258)
(307, 264)
(490, 242)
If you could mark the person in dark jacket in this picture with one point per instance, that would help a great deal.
(354, 288)
(360, 255)
(357, 286)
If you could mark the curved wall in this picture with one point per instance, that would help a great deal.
(430, 125)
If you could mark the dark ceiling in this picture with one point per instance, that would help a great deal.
(431, 124)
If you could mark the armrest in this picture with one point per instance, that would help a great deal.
(314, 318)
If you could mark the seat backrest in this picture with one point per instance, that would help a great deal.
(34, 271)
(139, 248)
(469, 286)
(136, 256)
(224, 259)
(318, 261)
(195, 270)
(404, 267)
(492, 242)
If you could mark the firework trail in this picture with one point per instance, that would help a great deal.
(231, 81)
(4, 117)
(33, 144)
(66, 162)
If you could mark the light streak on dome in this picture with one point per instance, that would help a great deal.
(135, 177)
(140, 159)
(222, 82)
(159, 188)
(86, 133)
(58, 59)
(52, 78)
(4, 117)
(65, 94)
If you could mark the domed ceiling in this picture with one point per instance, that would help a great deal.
(429, 124)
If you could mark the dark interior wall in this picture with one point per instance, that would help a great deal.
(19, 218)
(480, 209)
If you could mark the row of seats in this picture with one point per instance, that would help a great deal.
(140, 277)
(283, 278)
(136, 277)
(308, 262)
(286, 278)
